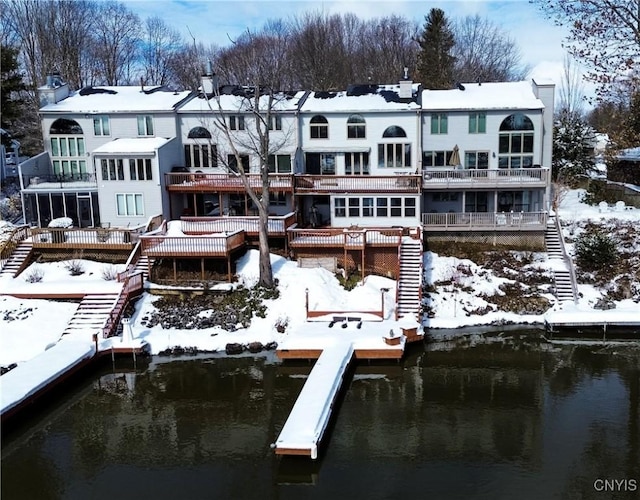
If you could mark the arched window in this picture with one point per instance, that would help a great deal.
(68, 153)
(199, 133)
(319, 127)
(64, 126)
(515, 143)
(356, 127)
(394, 131)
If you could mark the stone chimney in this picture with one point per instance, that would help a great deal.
(406, 86)
(209, 81)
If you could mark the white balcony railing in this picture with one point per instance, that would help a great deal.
(472, 221)
(461, 178)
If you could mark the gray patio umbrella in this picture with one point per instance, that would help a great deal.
(454, 161)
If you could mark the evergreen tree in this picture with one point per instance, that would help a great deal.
(435, 62)
(573, 142)
(11, 86)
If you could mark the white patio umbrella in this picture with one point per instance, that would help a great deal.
(454, 161)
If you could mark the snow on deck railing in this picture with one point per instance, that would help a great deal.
(432, 177)
(83, 237)
(212, 245)
(499, 220)
(345, 237)
(277, 224)
(357, 183)
(230, 181)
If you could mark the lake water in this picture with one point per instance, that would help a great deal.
(515, 420)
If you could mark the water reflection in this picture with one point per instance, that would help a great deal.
(497, 420)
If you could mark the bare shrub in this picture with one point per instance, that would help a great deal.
(109, 273)
(35, 275)
(75, 267)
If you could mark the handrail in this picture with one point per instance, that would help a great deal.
(567, 260)
(357, 183)
(19, 233)
(450, 176)
(504, 220)
(345, 237)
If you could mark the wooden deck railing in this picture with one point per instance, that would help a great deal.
(508, 221)
(86, 238)
(212, 245)
(357, 183)
(345, 237)
(207, 182)
(133, 284)
(458, 178)
(277, 226)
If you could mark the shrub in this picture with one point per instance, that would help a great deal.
(35, 275)
(109, 273)
(595, 250)
(75, 267)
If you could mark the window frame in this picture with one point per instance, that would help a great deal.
(476, 154)
(140, 169)
(478, 122)
(356, 127)
(236, 122)
(112, 169)
(145, 126)
(274, 164)
(439, 123)
(101, 126)
(397, 150)
(318, 127)
(137, 204)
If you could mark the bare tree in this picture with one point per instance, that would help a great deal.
(484, 52)
(115, 43)
(603, 34)
(158, 47)
(571, 90)
(186, 70)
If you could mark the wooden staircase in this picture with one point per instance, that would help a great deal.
(143, 265)
(410, 278)
(18, 260)
(562, 275)
(93, 313)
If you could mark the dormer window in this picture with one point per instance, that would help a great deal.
(319, 127)
(356, 127)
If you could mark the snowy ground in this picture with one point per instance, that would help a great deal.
(29, 326)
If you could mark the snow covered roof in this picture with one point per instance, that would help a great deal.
(118, 100)
(361, 98)
(485, 96)
(143, 145)
(235, 102)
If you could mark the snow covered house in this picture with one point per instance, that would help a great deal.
(118, 188)
(486, 159)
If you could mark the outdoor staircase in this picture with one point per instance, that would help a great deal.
(410, 278)
(18, 260)
(143, 265)
(92, 313)
(562, 276)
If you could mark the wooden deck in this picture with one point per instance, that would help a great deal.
(455, 179)
(348, 238)
(86, 238)
(211, 245)
(223, 182)
(328, 184)
(277, 225)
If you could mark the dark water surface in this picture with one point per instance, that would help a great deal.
(494, 421)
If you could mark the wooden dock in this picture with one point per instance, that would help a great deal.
(308, 420)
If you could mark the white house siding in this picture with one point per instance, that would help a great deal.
(376, 124)
(154, 197)
(458, 134)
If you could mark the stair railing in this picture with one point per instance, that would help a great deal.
(567, 260)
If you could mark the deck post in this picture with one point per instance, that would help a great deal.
(306, 303)
(175, 274)
(229, 267)
(363, 247)
(202, 268)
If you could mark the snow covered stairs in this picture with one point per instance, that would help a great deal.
(18, 259)
(92, 313)
(410, 277)
(555, 252)
(143, 265)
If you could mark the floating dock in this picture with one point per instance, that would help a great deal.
(304, 429)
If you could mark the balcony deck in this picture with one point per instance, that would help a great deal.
(69, 182)
(511, 221)
(347, 238)
(210, 245)
(324, 184)
(85, 238)
(453, 179)
(277, 225)
(225, 182)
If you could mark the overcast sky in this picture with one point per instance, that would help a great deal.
(215, 21)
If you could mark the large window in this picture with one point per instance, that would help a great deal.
(67, 148)
(476, 202)
(129, 205)
(140, 169)
(439, 123)
(396, 155)
(101, 125)
(356, 127)
(327, 164)
(356, 163)
(145, 125)
(515, 143)
(476, 159)
(436, 158)
(112, 169)
(236, 122)
(478, 123)
(368, 206)
(279, 164)
(200, 155)
(275, 122)
(319, 127)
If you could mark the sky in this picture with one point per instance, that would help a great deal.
(218, 21)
